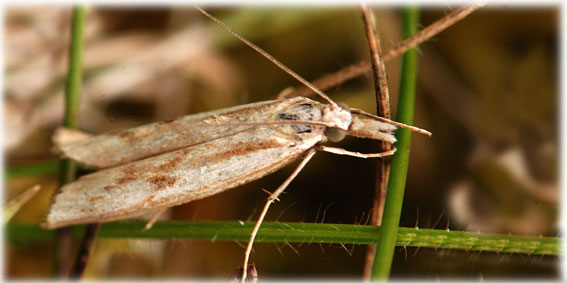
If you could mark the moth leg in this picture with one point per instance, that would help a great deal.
(341, 151)
(271, 199)
(154, 219)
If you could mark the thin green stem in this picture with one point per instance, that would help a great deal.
(36, 168)
(73, 86)
(274, 232)
(399, 165)
(75, 74)
(70, 120)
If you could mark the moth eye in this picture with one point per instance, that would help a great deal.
(335, 134)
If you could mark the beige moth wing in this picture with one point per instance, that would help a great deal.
(218, 159)
(125, 146)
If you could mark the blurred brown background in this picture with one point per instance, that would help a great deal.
(488, 90)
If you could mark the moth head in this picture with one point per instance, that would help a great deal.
(372, 129)
(378, 128)
(335, 134)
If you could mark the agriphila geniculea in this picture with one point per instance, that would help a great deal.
(153, 167)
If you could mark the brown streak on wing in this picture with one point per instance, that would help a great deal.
(108, 188)
(95, 199)
(242, 148)
(170, 164)
(161, 182)
(128, 175)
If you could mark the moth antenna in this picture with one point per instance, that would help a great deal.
(391, 122)
(271, 58)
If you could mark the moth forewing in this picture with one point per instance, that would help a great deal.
(174, 178)
(214, 159)
(125, 146)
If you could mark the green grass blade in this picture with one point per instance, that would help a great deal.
(36, 168)
(12, 207)
(272, 232)
(73, 86)
(68, 168)
(399, 165)
(75, 74)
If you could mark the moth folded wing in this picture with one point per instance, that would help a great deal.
(129, 145)
(176, 177)
(91, 199)
(125, 146)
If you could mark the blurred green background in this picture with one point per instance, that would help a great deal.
(488, 90)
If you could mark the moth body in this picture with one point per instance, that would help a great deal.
(169, 163)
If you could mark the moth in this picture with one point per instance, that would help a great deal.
(152, 167)
(173, 162)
